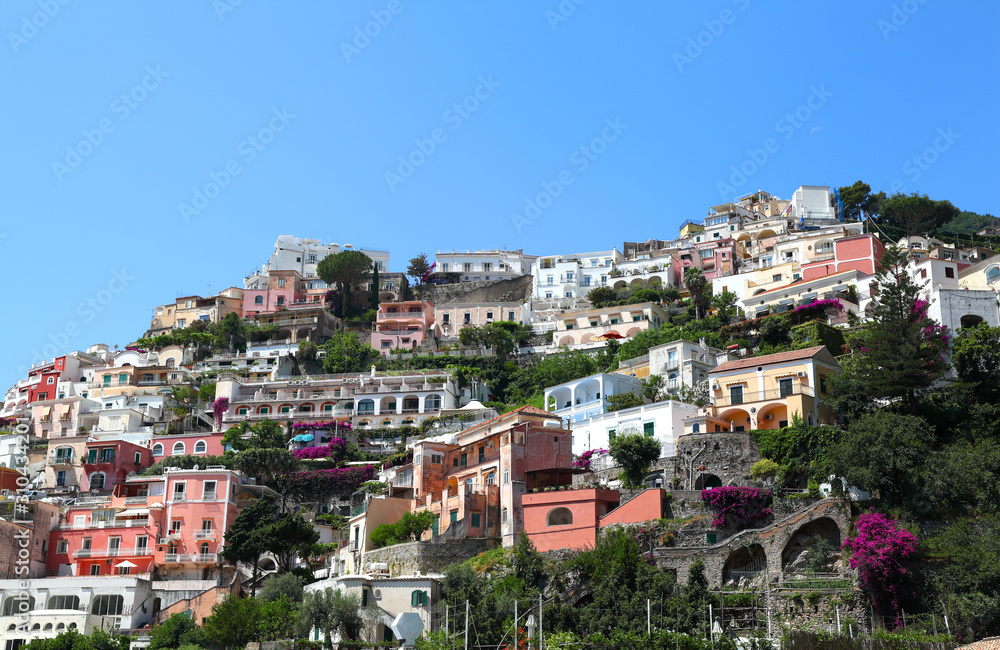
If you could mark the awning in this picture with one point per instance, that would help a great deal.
(46, 410)
(62, 409)
(809, 296)
(611, 335)
(126, 563)
(133, 512)
(787, 301)
(305, 437)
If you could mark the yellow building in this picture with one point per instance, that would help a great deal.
(764, 392)
(982, 275)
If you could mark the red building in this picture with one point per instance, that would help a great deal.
(107, 463)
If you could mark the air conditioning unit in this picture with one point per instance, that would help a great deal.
(801, 373)
(163, 541)
(769, 417)
(715, 385)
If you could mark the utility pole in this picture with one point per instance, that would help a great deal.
(649, 631)
(540, 632)
(466, 624)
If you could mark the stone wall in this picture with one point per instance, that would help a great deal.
(728, 456)
(428, 557)
(486, 291)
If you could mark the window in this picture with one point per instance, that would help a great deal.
(559, 517)
(63, 602)
(61, 547)
(122, 378)
(612, 433)
(476, 520)
(157, 449)
(923, 273)
(506, 475)
(281, 283)
(648, 429)
(200, 447)
(258, 300)
(97, 481)
(776, 277)
(464, 461)
(822, 384)
(467, 267)
(107, 605)
(95, 569)
(180, 490)
(178, 449)
(281, 300)
(436, 459)
(949, 272)
(586, 280)
(138, 459)
(466, 318)
(419, 599)
(453, 516)
(489, 315)
(175, 526)
(785, 387)
(503, 516)
(736, 394)
(510, 315)
(209, 492)
(446, 318)
(487, 267)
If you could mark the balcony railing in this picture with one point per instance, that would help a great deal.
(113, 552)
(190, 557)
(134, 501)
(204, 534)
(750, 397)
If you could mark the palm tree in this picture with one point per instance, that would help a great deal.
(697, 285)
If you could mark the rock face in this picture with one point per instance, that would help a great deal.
(513, 290)
(725, 456)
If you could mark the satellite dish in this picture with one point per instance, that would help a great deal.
(196, 467)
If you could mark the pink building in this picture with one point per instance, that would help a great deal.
(284, 288)
(402, 325)
(107, 463)
(175, 521)
(858, 253)
(188, 444)
(716, 258)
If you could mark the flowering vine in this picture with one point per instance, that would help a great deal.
(738, 506)
(881, 551)
(583, 462)
(219, 408)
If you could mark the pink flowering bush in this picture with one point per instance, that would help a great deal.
(219, 408)
(324, 483)
(336, 449)
(820, 305)
(738, 506)
(583, 462)
(881, 551)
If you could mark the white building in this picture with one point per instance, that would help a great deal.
(302, 256)
(587, 397)
(484, 265)
(45, 607)
(813, 206)
(683, 363)
(572, 276)
(661, 420)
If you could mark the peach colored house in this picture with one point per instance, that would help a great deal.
(566, 518)
(858, 253)
(474, 479)
(402, 325)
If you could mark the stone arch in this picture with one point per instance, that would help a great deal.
(806, 536)
(706, 481)
(620, 284)
(655, 282)
(587, 338)
(637, 283)
(566, 340)
(744, 564)
(970, 320)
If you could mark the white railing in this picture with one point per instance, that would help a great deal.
(113, 552)
(204, 534)
(131, 501)
(190, 557)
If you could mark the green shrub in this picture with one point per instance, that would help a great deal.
(764, 468)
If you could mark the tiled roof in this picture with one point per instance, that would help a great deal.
(992, 643)
(779, 357)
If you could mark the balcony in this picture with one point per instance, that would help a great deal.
(204, 534)
(201, 558)
(136, 501)
(113, 552)
(750, 397)
(62, 460)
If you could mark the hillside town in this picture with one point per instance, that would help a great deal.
(401, 431)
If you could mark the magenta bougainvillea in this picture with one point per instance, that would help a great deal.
(7, 422)
(583, 462)
(335, 449)
(219, 408)
(309, 426)
(323, 483)
(881, 552)
(738, 506)
(820, 305)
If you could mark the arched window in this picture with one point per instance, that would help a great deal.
(506, 475)
(432, 403)
(48, 626)
(559, 517)
(15, 605)
(503, 516)
(178, 449)
(993, 274)
(60, 626)
(366, 406)
(157, 449)
(258, 300)
(200, 447)
(695, 428)
(107, 605)
(97, 481)
(306, 408)
(264, 410)
(204, 549)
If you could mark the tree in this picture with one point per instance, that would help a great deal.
(725, 306)
(277, 618)
(246, 539)
(174, 632)
(623, 401)
(916, 214)
(883, 452)
(698, 287)
(419, 268)
(269, 467)
(652, 387)
(346, 268)
(333, 613)
(635, 453)
(282, 585)
(307, 357)
(290, 535)
(408, 528)
(345, 352)
(376, 288)
(527, 562)
(976, 355)
(266, 434)
(902, 350)
(234, 622)
(858, 198)
(602, 297)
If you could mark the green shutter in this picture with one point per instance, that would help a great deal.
(647, 428)
(454, 516)
(364, 598)
(464, 460)
(612, 433)
(475, 520)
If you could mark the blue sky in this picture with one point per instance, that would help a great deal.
(115, 114)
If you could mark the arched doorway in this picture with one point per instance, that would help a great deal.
(970, 320)
(706, 481)
(744, 565)
(813, 547)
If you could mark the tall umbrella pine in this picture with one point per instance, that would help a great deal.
(347, 269)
